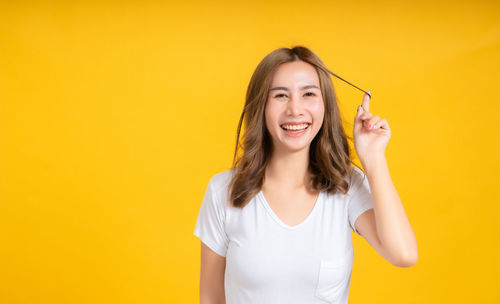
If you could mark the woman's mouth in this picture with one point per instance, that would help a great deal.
(295, 130)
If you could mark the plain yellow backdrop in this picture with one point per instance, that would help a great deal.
(115, 114)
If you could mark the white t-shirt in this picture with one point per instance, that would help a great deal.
(268, 261)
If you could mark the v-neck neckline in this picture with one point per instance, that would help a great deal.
(279, 221)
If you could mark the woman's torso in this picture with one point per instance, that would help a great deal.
(269, 261)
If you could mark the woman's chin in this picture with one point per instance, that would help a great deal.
(294, 147)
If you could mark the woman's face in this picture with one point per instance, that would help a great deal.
(294, 110)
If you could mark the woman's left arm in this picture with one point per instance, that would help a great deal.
(395, 234)
(386, 227)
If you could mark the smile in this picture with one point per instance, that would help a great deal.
(295, 130)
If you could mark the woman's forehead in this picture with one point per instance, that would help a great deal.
(296, 73)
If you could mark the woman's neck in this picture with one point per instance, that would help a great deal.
(288, 170)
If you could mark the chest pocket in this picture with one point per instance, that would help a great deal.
(334, 276)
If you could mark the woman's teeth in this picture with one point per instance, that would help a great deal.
(295, 127)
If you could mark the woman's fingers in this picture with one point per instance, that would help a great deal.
(365, 116)
(370, 123)
(382, 124)
(366, 101)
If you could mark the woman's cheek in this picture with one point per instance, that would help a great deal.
(271, 112)
(316, 106)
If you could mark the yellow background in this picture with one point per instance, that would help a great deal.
(114, 116)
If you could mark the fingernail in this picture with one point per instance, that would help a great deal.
(358, 108)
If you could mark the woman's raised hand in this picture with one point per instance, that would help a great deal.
(371, 134)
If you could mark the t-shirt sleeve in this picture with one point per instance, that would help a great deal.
(360, 199)
(210, 222)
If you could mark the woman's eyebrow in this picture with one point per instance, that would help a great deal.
(303, 88)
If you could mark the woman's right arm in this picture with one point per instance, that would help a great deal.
(212, 271)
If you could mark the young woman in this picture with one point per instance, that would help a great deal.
(275, 228)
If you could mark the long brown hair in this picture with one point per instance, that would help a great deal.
(329, 153)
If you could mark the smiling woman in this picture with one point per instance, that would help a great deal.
(301, 94)
(291, 85)
(275, 228)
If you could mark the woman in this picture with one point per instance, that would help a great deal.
(275, 228)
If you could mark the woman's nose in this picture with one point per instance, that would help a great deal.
(294, 106)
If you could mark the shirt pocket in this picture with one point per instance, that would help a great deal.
(333, 278)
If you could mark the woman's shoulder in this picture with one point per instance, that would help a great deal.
(221, 179)
(358, 180)
(358, 174)
(219, 183)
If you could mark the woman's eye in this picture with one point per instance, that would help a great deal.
(309, 94)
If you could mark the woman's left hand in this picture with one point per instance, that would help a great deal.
(370, 133)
